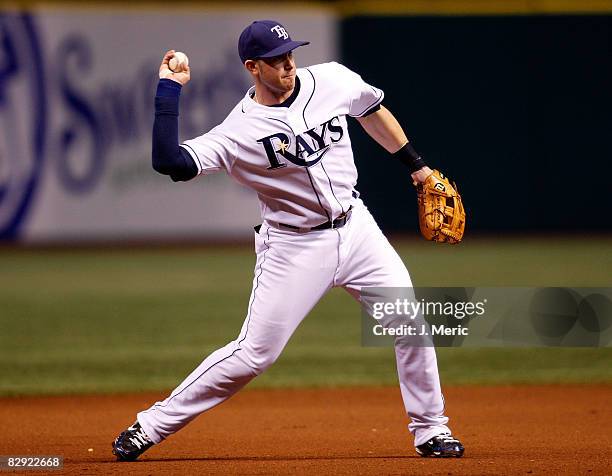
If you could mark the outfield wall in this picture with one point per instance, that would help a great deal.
(515, 107)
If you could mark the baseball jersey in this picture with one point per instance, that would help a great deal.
(299, 158)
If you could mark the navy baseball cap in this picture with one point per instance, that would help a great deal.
(265, 39)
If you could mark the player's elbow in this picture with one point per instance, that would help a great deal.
(181, 177)
(159, 167)
(178, 173)
(175, 175)
(163, 168)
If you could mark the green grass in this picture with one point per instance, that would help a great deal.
(129, 320)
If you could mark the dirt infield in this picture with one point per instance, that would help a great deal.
(506, 430)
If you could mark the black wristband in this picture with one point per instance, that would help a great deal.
(410, 158)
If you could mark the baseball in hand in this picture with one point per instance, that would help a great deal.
(178, 62)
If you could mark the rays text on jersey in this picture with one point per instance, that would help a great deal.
(309, 147)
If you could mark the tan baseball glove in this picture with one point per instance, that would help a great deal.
(441, 213)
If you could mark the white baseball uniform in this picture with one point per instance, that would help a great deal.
(300, 162)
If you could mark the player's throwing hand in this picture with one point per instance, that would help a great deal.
(181, 77)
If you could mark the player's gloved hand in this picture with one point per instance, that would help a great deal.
(181, 77)
(441, 212)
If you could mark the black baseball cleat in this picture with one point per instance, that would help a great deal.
(131, 443)
(441, 446)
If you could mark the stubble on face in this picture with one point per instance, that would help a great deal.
(278, 73)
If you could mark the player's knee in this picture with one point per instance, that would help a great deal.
(260, 359)
(262, 363)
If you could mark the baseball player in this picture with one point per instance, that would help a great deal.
(288, 140)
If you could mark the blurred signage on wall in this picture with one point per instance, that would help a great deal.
(76, 112)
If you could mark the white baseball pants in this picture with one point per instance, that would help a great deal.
(293, 271)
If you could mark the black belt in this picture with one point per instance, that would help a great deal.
(339, 222)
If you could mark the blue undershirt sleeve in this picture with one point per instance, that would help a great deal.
(168, 157)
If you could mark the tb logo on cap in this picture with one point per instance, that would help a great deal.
(280, 31)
